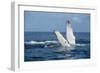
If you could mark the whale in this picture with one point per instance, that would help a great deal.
(70, 37)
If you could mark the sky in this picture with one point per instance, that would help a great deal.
(49, 21)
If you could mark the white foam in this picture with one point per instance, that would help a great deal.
(51, 42)
(41, 42)
(80, 44)
(34, 42)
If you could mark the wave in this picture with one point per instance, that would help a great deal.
(34, 42)
(44, 44)
(81, 44)
(41, 42)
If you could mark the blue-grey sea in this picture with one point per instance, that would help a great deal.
(44, 46)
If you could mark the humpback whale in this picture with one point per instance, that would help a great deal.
(70, 38)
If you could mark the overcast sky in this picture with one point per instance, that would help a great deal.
(50, 21)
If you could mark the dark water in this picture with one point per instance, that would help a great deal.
(43, 46)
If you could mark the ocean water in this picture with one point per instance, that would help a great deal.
(44, 46)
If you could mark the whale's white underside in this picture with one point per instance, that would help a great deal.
(70, 38)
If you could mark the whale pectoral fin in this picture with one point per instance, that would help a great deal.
(61, 39)
(70, 34)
